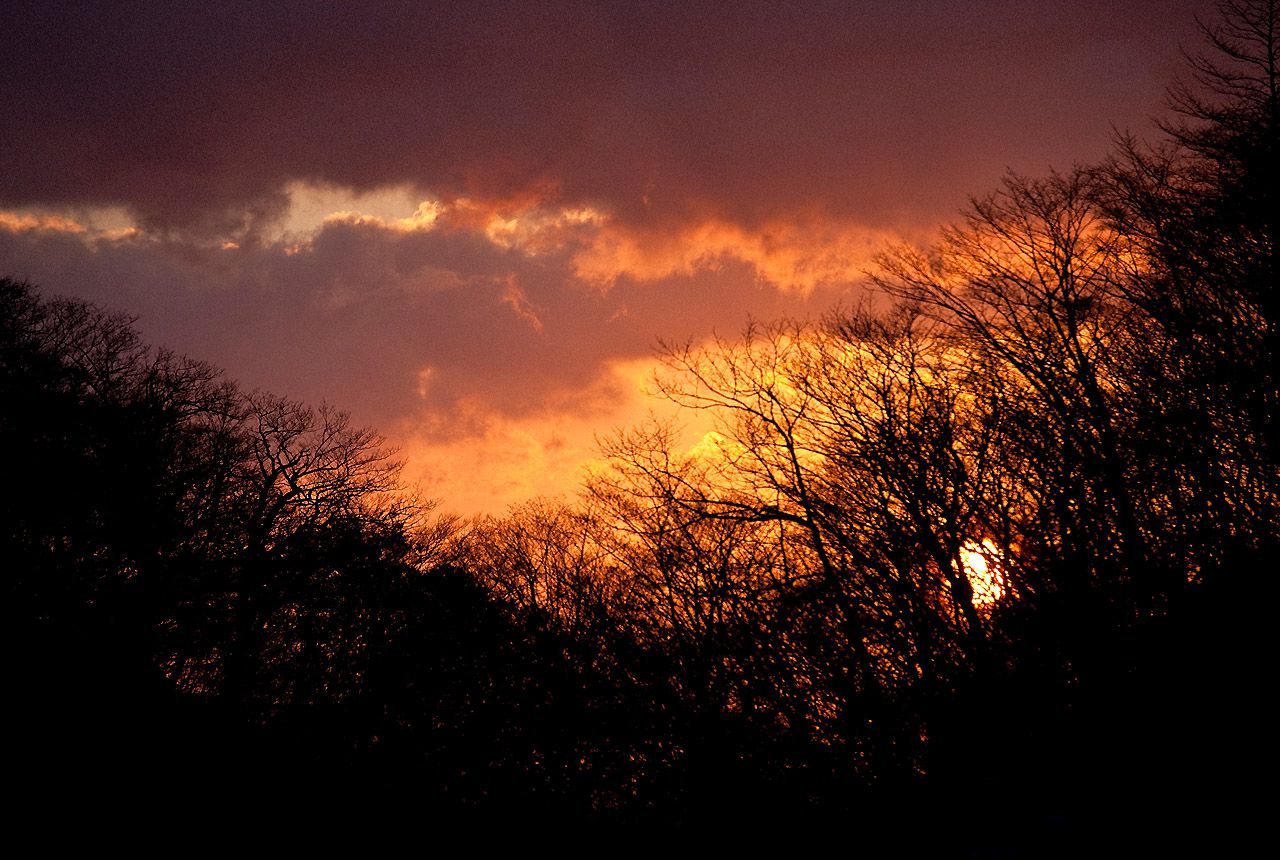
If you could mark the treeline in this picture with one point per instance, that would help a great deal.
(991, 552)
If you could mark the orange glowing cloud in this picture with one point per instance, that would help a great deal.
(793, 253)
(799, 253)
(22, 222)
(503, 459)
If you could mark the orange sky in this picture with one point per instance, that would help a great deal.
(471, 223)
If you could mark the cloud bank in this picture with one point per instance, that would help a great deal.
(469, 223)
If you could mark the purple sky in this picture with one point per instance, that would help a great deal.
(469, 223)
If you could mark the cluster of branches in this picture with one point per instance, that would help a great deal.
(221, 594)
(1003, 526)
(228, 597)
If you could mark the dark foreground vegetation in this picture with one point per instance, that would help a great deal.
(219, 606)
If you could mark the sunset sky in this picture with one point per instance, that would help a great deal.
(470, 223)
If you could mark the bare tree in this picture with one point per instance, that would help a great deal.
(545, 561)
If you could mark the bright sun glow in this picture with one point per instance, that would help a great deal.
(981, 562)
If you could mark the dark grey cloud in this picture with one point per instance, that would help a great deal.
(356, 313)
(197, 115)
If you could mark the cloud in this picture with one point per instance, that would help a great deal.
(502, 460)
(471, 223)
(203, 121)
(22, 222)
(515, 297)
(473, 341)
(802, 252)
